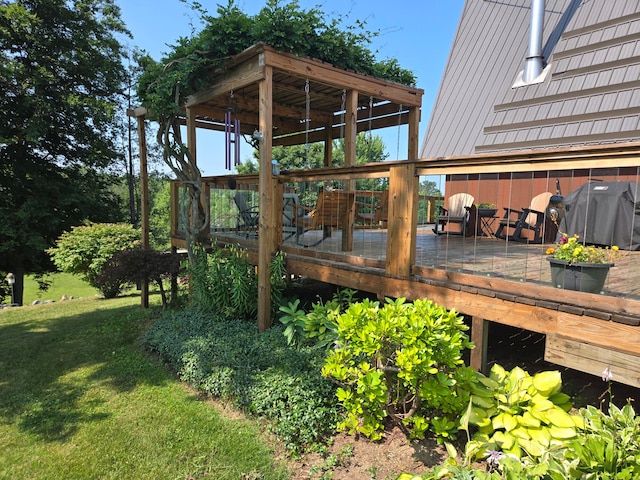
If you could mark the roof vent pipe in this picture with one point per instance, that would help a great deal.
(533, 64)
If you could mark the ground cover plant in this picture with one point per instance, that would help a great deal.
(80, 398)
(258, 372)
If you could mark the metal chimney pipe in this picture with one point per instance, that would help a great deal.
(533, 64)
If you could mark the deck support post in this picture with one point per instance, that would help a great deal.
(402, 222)
(480, 337)
(350, 134)
(270, 202)
(413, 133)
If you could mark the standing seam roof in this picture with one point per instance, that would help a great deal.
(590, 96)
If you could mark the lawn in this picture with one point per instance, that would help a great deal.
(80, 398)
(61, 284)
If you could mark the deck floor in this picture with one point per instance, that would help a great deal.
(482, 256)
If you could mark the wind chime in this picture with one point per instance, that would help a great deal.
(231, 137)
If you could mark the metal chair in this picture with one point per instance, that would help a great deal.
(248, 217)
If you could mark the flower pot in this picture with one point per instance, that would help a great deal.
(581, 277)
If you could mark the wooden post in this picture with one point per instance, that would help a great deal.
(144, 200)
(350, 134)
(191, 134)
(402, 227)
(267, 186)
(480, 337)
(413, 147)
(413, 133)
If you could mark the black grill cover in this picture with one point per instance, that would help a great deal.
(604, 213)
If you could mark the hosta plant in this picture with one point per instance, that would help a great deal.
(517, 413)
(607, 448)
(401, 363)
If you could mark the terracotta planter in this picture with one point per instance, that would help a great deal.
(581, 277)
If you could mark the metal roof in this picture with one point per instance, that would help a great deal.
(591, 94)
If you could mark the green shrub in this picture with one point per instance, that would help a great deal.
(515, 411)
(260, 372)
(319, 326)
(138, 265)
(87, 250)
(401, 362)
(607, 448)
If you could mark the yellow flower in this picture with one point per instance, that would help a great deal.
(571, 250)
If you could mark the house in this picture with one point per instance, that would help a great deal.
(541, 78)
(585, 90)
(495, 133)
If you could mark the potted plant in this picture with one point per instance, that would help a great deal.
(488, 208)
(575, 266)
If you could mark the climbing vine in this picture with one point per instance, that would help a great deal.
(284, 26)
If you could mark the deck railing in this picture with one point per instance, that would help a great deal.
(403, 243)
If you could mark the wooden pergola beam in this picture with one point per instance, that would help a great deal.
(249, 73)
(329, 75)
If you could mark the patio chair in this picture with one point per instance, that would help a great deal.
(379, 214)
(457, 213)
(296, 218)
(248, 217)
(523, 221)
(332, 210)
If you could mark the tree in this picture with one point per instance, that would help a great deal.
(87, 251)
(429, 188)
(61, 75)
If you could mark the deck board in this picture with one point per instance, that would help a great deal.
(481, 256)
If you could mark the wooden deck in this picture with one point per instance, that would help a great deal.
(486, 257)
(490, 280)
(487, 279)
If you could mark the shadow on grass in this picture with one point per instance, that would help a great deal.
(57, 373)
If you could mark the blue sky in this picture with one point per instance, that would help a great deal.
(418, 33)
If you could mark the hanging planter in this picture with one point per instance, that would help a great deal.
(581, 276)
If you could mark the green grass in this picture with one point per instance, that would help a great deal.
(79, 399)
(62, 284)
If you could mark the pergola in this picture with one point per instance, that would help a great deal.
(282, 99)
